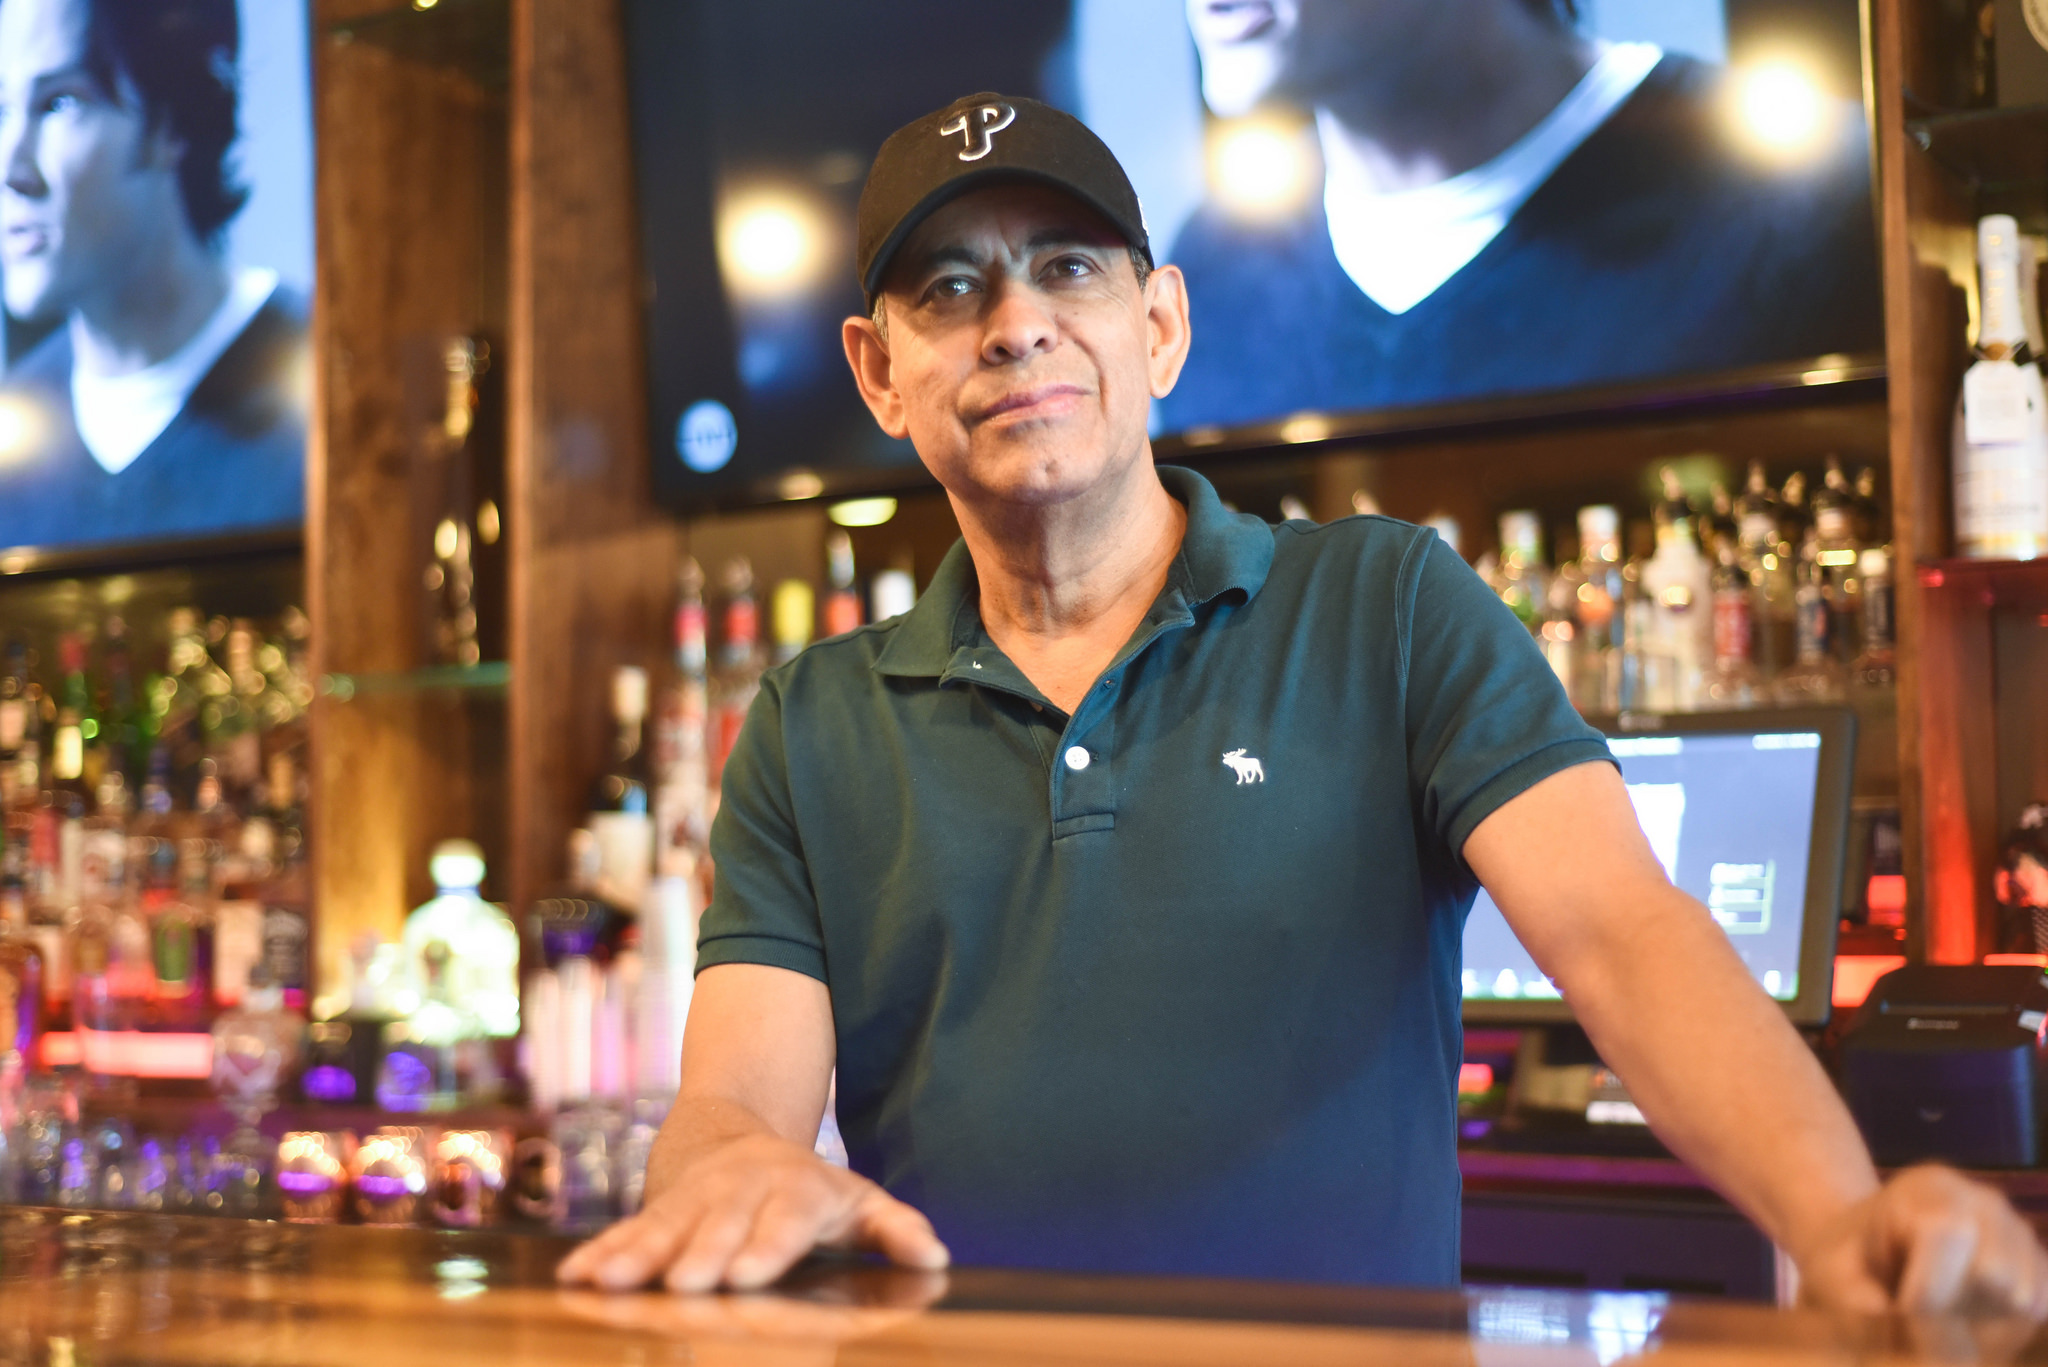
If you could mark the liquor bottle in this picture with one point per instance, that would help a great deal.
(619, 816)
(1681, 620)
(1719, 520)
(1556, 626)
(255, 1046)
(2001, 422)
(1876, 665)
(681, 793)
(21, 967)
(1769, 571)
(842, 598)
(234, 720)
(1869, 515)
(17, 709)
(477, 959)
(792, 611)
(1794, 519)
(1837, 555)
(1732, 680)
(178, 925)
(1595, 601)
(1522, 579)
(1639, 668)
(738, 677)
(194, 680)
(1815, 675)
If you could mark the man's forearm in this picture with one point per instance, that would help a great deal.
(1722, 1077)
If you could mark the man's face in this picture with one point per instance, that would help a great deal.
(1022, 355)
(1254, 50)
(85, 183)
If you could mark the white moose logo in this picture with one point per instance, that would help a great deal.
(1247, 768)
(980, 125)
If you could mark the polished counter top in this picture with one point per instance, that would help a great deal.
(104, 1289)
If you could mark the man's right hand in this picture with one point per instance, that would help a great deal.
(744, 1214)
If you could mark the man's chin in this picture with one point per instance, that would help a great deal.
(29, 299)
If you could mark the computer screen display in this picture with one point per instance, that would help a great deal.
(1731, 817)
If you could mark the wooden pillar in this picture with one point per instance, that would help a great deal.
(593, 563)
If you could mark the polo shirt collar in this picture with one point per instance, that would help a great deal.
(1222, 551)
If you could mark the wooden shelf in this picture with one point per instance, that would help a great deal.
(492, 676)
(473, 37)
(1999, 154)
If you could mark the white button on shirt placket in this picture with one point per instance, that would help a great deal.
(1077, 758)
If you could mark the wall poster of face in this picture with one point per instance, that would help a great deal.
(156, 258)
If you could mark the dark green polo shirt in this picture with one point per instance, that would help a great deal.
(1169, 985)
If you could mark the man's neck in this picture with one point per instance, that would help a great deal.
(153, 310)
(1064, 586)
(1486, 75)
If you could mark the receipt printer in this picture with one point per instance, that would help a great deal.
(1942, 1063)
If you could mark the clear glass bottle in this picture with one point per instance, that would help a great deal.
(1815, 675)
(1522, 579)
(1876, 665)
(1596, 603)
(681, 788)
(738, 675)
(466, 945)
(2001, 419)
(1769, 571)
(1839, 555)
(1682, 624)
(620, 816)
(1732, 680)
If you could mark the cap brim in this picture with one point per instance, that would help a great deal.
(975, 180)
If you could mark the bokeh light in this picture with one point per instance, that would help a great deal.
(1261, 169)
(1781, 110)
(21, 427)
(862, 512)
(771, 243)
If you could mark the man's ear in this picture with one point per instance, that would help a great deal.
(867, 352)
(1167, 332)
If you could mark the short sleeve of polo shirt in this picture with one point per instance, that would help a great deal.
(1486, 717)
(763, 910)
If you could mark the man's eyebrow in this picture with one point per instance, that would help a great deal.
(1047, 238)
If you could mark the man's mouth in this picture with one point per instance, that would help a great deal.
(1236, 21)
(1038, 401)
(23, 240)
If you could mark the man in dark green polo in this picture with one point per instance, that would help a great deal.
(1123, 878)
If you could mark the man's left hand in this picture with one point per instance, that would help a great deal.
(1928, 1242)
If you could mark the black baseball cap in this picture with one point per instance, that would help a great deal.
(973, 141)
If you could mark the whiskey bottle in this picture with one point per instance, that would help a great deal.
(738, 676)
(619, 816)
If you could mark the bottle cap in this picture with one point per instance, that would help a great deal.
(457, 866)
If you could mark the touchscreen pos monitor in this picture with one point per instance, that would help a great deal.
(1748, 812)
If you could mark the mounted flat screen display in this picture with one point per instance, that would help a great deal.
(1379, 209)
(156, 259)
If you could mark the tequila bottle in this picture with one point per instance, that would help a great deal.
(466, 949)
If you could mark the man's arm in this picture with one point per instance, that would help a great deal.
(1721, 1075)
(735, 1194)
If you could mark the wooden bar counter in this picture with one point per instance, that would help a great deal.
(102, 1289)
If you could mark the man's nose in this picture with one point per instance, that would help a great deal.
(1019, 323)
(18, 155)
